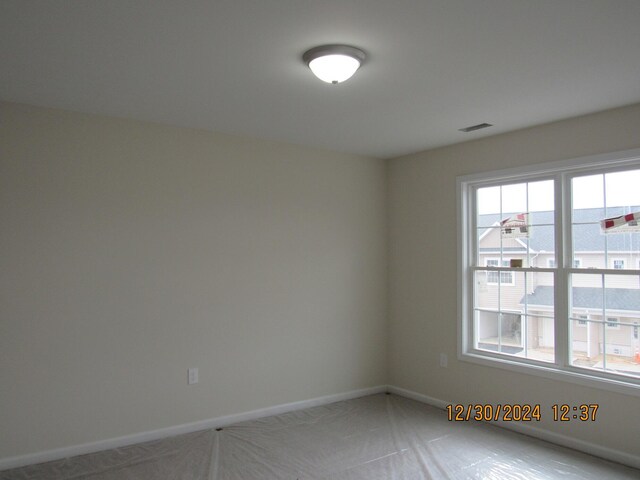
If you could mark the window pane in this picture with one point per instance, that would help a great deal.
(541, 245)
(514, 199)
(497, 312)
(620, 353)
(488, 241)
(585, 322)
(589, 246)
(587, 192)
(602, 348)
(515, 318)
(539, 338)
(488, 201)
(539, 299)
(499, 332)
(515, 221)
(486, 292)
(588, 210)
(541, 197)
(605, 309)
(622, 188)
(538, 324)
(623, 250)
(612, 197)
(512, 292)
(585, 346)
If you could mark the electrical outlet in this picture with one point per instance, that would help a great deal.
(443, 360)
(193, 376)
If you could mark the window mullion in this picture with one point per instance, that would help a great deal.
(469, 342)
(563, 246)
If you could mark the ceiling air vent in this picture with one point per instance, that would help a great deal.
(475, 127)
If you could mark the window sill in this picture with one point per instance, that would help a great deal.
(552, 372)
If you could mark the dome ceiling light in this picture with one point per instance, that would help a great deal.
(334, 63)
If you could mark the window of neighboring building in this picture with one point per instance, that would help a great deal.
(617, 264)
(522, 318)
(613, 322)
(496, 277)
(551, 263)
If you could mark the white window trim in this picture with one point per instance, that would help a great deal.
(560, 370)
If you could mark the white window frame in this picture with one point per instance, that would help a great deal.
(562, 172)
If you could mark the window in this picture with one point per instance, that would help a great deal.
(613, 322)
(617, 264)
(583, 320)
(494, 277)
(532, 318)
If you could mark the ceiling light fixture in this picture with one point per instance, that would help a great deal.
(334, 63)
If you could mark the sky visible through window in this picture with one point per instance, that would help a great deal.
(622, 189)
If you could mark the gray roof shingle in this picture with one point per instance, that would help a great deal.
(587, 238)
(589, 297)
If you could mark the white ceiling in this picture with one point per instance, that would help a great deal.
(235, 66)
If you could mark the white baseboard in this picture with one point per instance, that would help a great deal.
(417, 396)
(532, 431)
(82, 449)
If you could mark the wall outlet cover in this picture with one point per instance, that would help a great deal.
(193, 376)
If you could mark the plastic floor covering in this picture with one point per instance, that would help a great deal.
(375, 437)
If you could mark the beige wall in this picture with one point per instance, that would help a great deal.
(422, 263)
(133, 251)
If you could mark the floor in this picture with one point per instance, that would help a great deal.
(376, 437)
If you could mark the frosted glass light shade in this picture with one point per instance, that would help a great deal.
(334, 68)
(334, 63)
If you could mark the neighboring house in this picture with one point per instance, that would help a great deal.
(605, 318)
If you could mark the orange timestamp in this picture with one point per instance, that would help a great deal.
(519, 412)
(584, 412)
(493, 413)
